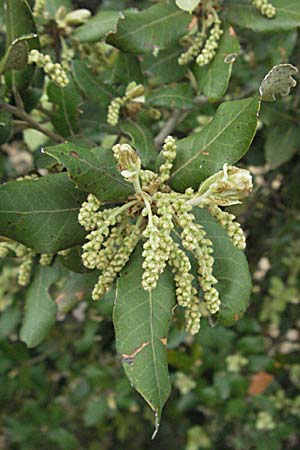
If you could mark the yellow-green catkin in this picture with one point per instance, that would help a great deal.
(39, 8)
(54, 70)
(117, 263)
(87, 217)
(194, 239)
(114, 111)
(233, 228)
(46, 259)
(4, 249)
(193, 50)
(158, 244)
(209, 50)
(134, 92)
(186, 294)
(169, 154)
(265, 8)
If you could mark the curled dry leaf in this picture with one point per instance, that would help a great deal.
(278, 81)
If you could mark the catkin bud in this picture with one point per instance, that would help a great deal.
(224, 188)
(208, 52)
(54, 70)
(265, 8)
(169, 154)
(129, 163)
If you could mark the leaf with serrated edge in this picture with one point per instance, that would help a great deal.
(93, 170)
(40, 309)
(42, 214)
(214, 78)
(230, 269)
(278, 81)
(142, 141)
(245, 15)
(224, 140)
(157, 27)
(141, 321)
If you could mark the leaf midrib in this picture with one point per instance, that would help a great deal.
(210, 142)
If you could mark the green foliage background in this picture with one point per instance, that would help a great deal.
(70, 392)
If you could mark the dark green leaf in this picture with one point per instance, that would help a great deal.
(77, 288)
(224, 140)
(19, 22)
(40, 309)
(42, 214)
(245, 15)
(98, 27)
(5, 126)
(16, 55)
(281, 144)
(157, 27)
(93, 170)
(95, 90)
(72, 260)
(67, 99)
(141, 321)
(179, 96)
(9, 320)
(214, 78)
(164, 67)
(128, 69)
(142, 141)
(230, 269)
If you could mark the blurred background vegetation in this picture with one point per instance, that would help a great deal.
(233, 389)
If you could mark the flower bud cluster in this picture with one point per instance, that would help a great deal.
(94, 52)
(156, 208)
(39, 8)
(91, 249)
(158, 244)
(134, 93)
(233, 228)
(186, 294)
(208, 52)
(54, 70)
(129, 163)
(169, 154)
(4, 249)
(193, 51)
(46, 259)
(86, 216)
(117, 263)
(24, 270)
(265, 8)
(226, 187)
(114, 111)
(264, 421)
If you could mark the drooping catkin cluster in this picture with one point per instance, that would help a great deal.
(134, 93)
(203, 49)
(26, 256)
(265, 8)
(156, 214)
(209, 50)
(54, 70)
